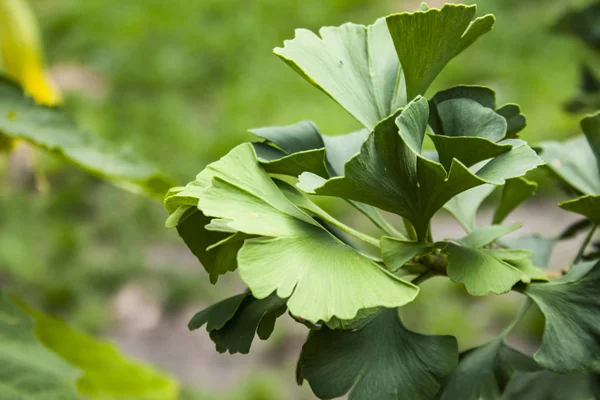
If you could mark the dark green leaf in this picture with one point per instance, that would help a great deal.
(391, 174)
(545, 385)
(427, 40)
(382, 360)
(515, 192)
(591, 129)
(484, 372)
(52, 130)
(234, 322)
(571, 306)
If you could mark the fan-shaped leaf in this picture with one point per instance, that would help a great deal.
(427, 40)
(571, 306)
(382, 360)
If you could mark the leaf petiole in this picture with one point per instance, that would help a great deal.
(345, 228)
(585, 244)
(517, 318)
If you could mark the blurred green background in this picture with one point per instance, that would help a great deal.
(180, 82)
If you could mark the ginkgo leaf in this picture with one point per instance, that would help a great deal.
(588, 206)
(514, 192)
(234, 322)
(479, 270)
(397, 252)
(591, 130)
(547, 385)
(465, 205)
(445, 123)
(484, 372)
(571, 307)
(296, 148)
(297, 258)
(52, 130)
(353, 64)
(215, 250)
(106, 373)
(426, 41)
(28, 370)
(391, 174)
(574, 163)
(488, 234)
(382, 360)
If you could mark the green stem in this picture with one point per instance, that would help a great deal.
(429, 233)
(423, 277)
(410, 230)
(517, 317)
(377, 219)
(345, 228)
(585, 244)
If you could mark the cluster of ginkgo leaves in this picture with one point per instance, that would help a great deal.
(253, 211)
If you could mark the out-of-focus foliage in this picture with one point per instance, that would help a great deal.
(43, 358)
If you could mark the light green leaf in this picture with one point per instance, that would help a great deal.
(353, 64)
(483, 236)
(465, 205)
(52, 130)
(547, 385)
(484, 372)
(382, 360)
(396, 252)
(298, 259)
(571, 306)
(29, 371)
(515, 192)
(391, 174)
(427, 40)
(588, 206)
(523, 260)
(107, 374)
(479, 270)
(234, 322)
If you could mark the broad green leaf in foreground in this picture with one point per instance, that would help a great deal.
(588, 206)
(390, 173)
(484, 372)
(426, 41)
(353, 64)
(382, 360)
(571, 307)
(297, 258)
(52, 130)
(28, 370)
(107, 374)
(232, 323)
